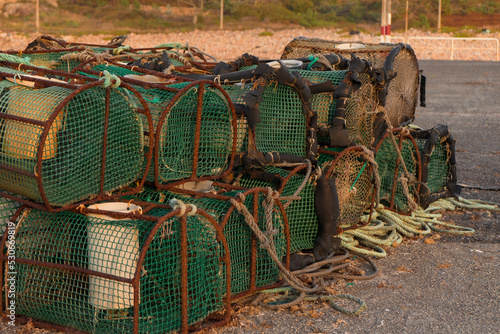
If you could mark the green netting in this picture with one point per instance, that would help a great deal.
(323, 104)
(438, 168)
(177, 136)
(387, 159)
(99, 305)
(283, 125)
(301, 214)
(72, 155)
(360, 109)
(402, 96)
(238, 236)
(178, 131)
(116, 70)
(353, 180)
(236, 93)
(7, 209)
(52, 60)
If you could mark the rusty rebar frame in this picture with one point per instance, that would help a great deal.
(46, 125)
(179, 92)
(199, 114)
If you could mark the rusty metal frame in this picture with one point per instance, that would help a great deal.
(46, 125)
(200, 85)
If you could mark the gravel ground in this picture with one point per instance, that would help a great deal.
(440, 284)
(229, 45)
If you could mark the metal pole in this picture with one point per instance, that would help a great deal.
(221, 14)
(439, 17)
(383, 20)
(388, 29)
(37, 15)
(406, 23)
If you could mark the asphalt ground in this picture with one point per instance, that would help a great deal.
(437, 284)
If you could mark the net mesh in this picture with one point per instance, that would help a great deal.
(236, 93)
(283, 125)
(177, 133)
(402, 96)
(238, 236)
(390, 170)
(177, 136)
(7, 209)
(101, 305)
(438, 168)
(73, 148)
(301, 214)
(354, 182)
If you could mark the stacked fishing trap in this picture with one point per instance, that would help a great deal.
(149, 188)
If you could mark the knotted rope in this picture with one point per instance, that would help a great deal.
(266, 239)
(178, 204)
(110, 80)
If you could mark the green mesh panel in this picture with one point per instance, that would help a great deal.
(324, 104)
(386, 158)
(72, 155)
(353, 180)
(99, 305)
(301, 214)
(7, 83)
(236, 93)
(238, 236)
(177, 137)
(116, 70)
(52, 60)
(7, 209)
(438, 168)
(283, 125)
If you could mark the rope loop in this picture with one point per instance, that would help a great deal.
(121, 49)
(178, 204)
(108, 80)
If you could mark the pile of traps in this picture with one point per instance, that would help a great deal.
(145, 190)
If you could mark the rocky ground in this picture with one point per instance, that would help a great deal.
(269, 44)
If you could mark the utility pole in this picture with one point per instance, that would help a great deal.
(383, 25)
(406, 23)
(388, 29)
(221, 14)
(439, 16)
(37, 15)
